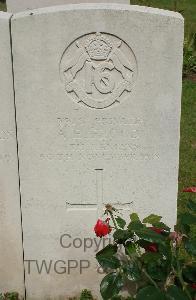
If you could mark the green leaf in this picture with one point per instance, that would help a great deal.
(130, 248)
(121, 235)
(165, 249)
(192, 205)
(121, 298)
(152, 219)
(184, 228)
(175, 293)
(190, 246)
(121, 222)
(187, 218)
(149, 235)
(150, 257)
(108, 262)
(109, 250)
(132, 271)
(106, 257)
(134, 217)
(161, 225)
(111, 285)
(157, 270)
(134, 226)
(189, 273)
(150, 293)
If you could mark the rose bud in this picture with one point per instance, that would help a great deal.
(191, 189)
(151, 248)
(193, 285)
(157, 230)
(173, 236)
(177, 237)
(102, 228)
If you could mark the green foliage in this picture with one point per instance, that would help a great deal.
(149, 258)
(187, 171)
(189, 64)
(111, 285)
(121, 223)
(86, 295)
(190, 246)
(106, 257)
(131, 271)
(3, 8)
(150, 293)
(152, 219)
(189, 273)
(9, 296)
(175, 293)
(121, 298)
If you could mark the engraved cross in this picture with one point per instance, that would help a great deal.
(99, 205)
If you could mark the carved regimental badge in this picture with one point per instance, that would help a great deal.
(98, 70)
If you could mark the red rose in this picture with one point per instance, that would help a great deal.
(151, 247)
(102, 228)
(157, 230)
(193, 285)
(191, 189)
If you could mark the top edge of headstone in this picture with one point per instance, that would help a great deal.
(5, 15)
(23, 5)
(99, 6)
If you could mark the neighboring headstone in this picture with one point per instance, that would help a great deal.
(21, 5)
(98, 91)
(11, 254)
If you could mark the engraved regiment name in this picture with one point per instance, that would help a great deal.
(98, 70)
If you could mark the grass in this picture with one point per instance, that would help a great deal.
(187, 172)
(2, 6)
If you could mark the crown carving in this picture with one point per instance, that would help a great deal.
(98, 47)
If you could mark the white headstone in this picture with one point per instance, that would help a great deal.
(21, 5)
(98, 91)
(11, 255)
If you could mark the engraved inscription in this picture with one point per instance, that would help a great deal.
(98, 70)
(95, 139)
(100, 127)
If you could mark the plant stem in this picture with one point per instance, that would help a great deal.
(113, 219)
(150, 278)
(143, 270)
(179, 275)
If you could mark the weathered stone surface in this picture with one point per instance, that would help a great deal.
(11, 260)
(98, 91)
(21, 5)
